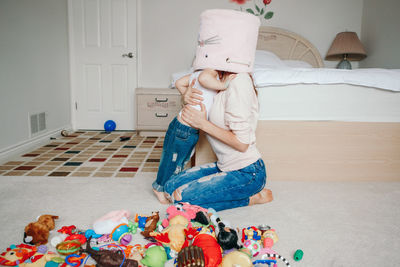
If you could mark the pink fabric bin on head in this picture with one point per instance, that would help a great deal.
(227, 40)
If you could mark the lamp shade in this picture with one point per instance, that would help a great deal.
(346, 43)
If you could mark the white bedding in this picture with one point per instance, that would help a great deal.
(388, 79)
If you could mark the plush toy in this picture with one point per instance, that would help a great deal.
(154, 256)
(185, 209)
(40, 259)
(210, 247)
(37, 233)
(109, 258)
(107, 223)
(151, 224)
(175, 235)
(15, 255)
(236, 258)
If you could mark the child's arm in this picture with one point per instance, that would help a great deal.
(182, 84)
(208, 78)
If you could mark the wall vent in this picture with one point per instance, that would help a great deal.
(38, 122)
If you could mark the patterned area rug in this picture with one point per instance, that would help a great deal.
(90, 154)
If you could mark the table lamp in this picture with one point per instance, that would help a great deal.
(346, 46)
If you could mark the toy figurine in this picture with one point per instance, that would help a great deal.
(227, 237)
(151, 224)
(154, 256)
(109, 258)
(37, 233)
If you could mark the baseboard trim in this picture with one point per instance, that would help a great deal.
(26, 145)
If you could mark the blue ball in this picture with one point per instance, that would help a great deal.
(109, 126)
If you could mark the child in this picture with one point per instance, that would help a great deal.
(180, 138)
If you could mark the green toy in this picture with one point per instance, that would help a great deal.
(155, 256)
(298, 255)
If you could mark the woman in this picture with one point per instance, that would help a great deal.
(239, 177)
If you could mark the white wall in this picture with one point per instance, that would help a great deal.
(34, 70)
(381, 34)
(169, 29)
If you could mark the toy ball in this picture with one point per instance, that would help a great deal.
(110, 126)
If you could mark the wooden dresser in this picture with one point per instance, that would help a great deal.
(156, 107)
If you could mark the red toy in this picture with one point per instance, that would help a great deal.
(16, 255)
(211, 249)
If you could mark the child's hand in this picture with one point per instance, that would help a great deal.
(192, 95)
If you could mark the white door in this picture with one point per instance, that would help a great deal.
(103, 57)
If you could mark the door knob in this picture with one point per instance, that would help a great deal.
(130, 55)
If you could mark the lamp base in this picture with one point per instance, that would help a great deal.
(344, 64)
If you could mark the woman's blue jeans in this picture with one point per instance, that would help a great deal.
(179, 143)
(209, 187)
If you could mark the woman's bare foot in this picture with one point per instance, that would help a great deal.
(262, 197)
(161, 197)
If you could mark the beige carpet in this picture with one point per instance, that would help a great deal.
(335, 224)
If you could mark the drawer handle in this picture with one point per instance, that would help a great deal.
(161, 115)
(161, 99)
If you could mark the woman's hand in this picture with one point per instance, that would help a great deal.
(195, 118)
(192, 96)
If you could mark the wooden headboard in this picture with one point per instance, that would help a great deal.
(288, 45)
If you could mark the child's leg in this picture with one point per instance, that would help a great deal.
(221, 190)
(179, 142)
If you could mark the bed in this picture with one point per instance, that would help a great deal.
(326, 132)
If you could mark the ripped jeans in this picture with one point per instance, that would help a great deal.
(179, 143)
(209, 187)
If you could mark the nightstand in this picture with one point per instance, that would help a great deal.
(155, 109)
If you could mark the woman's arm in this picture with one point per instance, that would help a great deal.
(197, 119)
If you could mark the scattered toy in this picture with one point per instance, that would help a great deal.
(37, 233)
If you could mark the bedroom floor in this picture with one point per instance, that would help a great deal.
(89, 154)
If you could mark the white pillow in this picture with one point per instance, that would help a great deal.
(177, 75)
(267, 59)
(296, 64)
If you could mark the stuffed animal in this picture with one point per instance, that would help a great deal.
(185, 209)
(151, 224)
(108, 258)
(154, 256)
(15, 255)
(39, 259)
(175, 235)
(107, 223)
(37, 233)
